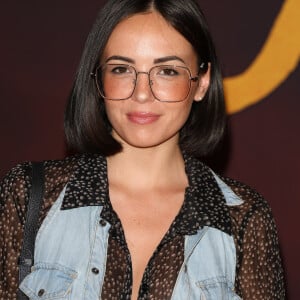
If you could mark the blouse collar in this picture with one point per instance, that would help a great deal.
(204, 203)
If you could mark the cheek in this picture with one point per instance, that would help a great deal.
(181, 114)
(112, 110)
(112, 116)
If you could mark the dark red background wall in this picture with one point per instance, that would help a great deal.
(41, 43)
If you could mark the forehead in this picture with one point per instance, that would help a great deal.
(147, 35)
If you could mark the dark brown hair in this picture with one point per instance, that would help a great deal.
(86, 125)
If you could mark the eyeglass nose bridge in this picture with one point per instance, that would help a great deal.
(150, 82)
(146, 73)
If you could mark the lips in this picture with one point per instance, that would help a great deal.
(142, 118)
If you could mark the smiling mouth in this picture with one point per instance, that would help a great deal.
(142, 118)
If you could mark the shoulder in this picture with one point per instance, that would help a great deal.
(57, 171)
(15, 186)
(244, 191)
(248, 208)
(15, 183)
(202, 172)
(252, 218)
(238, 195)
(19, 176)
(252, 201)
(252, 213)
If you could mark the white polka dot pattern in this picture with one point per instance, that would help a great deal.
(259, 269)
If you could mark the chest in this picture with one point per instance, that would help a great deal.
(145, 220)
(71, 258)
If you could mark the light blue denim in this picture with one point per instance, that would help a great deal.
(71, 250)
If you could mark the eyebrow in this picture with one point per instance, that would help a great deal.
(156, 61)
(168, 58)
(118, 57)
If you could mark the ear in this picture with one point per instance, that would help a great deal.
(203, 84)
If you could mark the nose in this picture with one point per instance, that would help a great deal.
(142, 92)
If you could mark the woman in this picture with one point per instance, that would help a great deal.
(136, 214)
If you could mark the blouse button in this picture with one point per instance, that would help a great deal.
(95, 271)
(41, 292)
(102, 222)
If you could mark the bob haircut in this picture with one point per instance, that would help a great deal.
(87, 127)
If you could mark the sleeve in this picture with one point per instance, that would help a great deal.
(14, 190)
(259, 271)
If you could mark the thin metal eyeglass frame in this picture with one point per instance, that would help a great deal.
(97, 80)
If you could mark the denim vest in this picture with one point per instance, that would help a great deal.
(71, 249)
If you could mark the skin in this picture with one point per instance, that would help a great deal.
(147, 179)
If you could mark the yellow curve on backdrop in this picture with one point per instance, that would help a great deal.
(277, 59)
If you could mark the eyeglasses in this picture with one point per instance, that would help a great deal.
(168, 83)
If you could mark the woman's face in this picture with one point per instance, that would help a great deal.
(143, 41)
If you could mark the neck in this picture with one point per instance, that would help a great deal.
(147, 168)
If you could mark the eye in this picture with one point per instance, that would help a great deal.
(167, 71)
(120, 69)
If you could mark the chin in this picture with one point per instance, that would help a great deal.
(146, 139)
(142, 145)
(150, 142)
